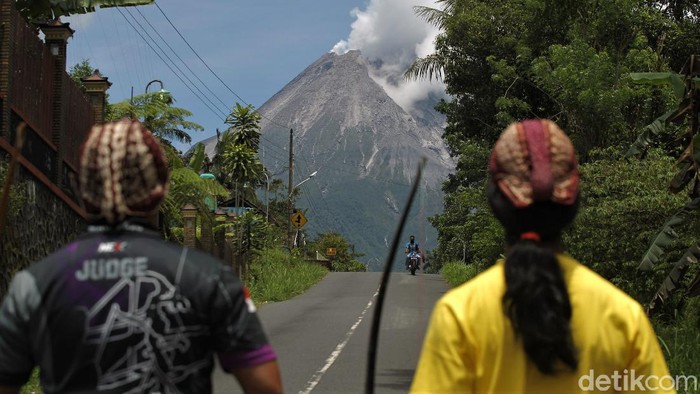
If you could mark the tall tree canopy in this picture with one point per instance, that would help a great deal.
(571, 61)
(158, 114)
(566, 60)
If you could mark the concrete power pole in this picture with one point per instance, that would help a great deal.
(290, 189)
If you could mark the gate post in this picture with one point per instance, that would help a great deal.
(56, 35)
(189, 216)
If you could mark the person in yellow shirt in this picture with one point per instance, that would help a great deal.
(538, 321)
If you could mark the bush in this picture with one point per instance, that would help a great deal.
(277, 276)
(467, 230)
(456, 272)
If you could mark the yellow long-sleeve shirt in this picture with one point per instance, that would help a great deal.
(471, 347)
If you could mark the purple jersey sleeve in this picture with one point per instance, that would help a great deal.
(239, 338)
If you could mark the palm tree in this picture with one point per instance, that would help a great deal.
(236, 159)
(158, 114)
(245, 124)
(432, 65)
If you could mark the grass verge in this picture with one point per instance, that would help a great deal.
(456, 272)
(276, 276)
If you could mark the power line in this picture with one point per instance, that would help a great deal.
(183, 62)
(173, 63)
(166, 63)
(209, 68)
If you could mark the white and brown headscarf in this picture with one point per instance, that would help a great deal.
(534, 160)
(123, 171)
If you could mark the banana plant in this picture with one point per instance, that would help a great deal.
(187, 186)
(44, 10)
(686, 87)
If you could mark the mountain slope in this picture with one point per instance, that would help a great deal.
(366, 149)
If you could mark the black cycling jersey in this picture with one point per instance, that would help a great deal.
(121, 311)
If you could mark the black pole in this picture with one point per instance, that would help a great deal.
(374, 334)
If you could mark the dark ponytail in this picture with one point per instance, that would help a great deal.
(537, 303)
(536, 299)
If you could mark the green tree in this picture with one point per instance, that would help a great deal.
(501, 62)
(244, 122)
(236, 161)
(157, 113)
(569, 61)
(467, 230)
(623, 203)
(187, 187)
(345, 258)
(83, 70)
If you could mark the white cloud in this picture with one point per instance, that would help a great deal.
(82, 21)
(392, 36)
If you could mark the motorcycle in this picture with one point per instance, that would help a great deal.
(413, 262)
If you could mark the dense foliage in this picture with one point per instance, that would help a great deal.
(572, 62)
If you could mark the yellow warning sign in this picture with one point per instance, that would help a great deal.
(298, 219)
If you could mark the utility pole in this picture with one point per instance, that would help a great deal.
(290, 186)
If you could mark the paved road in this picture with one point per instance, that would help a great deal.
(322, 336)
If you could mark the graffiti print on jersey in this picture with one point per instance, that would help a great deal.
(143, 329)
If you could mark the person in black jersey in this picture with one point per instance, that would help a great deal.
(118, 310)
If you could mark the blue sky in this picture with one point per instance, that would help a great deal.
(254, 47)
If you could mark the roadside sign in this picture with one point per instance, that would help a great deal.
(298, 219)
(330, 251)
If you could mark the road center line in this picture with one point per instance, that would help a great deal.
(311, 384)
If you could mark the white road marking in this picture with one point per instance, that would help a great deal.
(311, 384)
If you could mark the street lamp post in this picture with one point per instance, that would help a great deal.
(289, 201)
(163, 94)
(313, 174)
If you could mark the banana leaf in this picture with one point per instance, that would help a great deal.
(50, 9)
(661, 78)
(683, 177)
(672, 281)
(197, 159)
(667, 235)
(644, 140)
(694, 287)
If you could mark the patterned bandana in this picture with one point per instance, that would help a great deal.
(535, 161)
(122, 171)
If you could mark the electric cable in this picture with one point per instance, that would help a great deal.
(168, 65)
(209, 68)
(176, 66)
(183, 62)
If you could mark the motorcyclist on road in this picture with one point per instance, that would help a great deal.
(411, 247)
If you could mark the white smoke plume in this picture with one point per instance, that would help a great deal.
(392, 36)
